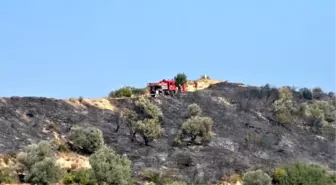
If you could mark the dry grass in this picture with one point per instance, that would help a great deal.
(202, 84)
(72, 161)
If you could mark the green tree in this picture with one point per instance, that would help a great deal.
(108, 167)
(131, 118)
(149, 129)
(35, 153)
(306, 93)
(44, 172)
(86, 140)
(284, 107)
(147, 109)
(194, 127)
(317, 93)
(180, 79)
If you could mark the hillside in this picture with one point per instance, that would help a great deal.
(247, 134)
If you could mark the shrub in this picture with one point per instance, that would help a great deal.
(285, 93)
(306, 93)
(257, 177)
(138, 91)
(35, 153)
(194, 110)
(321, 109)
(122, 92)
(149, 129)
(7, 176)
(86, 140)
(317, 93)
(279, 173)
(148, 110)
(63, 147)
(307, 174)
(196, 127)
(284, 108)
(155, 177)
(159, 178)
(82, 177)
(110, 168)
(44, 172)
(332, 177)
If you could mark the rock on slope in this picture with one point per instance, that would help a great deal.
(246, 135)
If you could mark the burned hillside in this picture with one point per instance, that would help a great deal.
(247, 133)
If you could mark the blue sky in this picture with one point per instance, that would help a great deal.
(78, 48)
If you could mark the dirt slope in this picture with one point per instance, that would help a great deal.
(245, 139)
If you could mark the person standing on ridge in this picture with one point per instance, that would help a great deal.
(195, 84)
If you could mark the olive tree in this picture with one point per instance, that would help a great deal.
(180, 79)
(195, 127)
(108, 167)
(87, 140)
(149, 129)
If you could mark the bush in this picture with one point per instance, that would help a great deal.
(110, 168)
(44, 172)
(82, 177)
(159, 178)
(7, 176)
(285, 93)
(147, 109)
(35, 153)
(194, 110)
(306, 93)
(122, 92)
(63, 147)
(321, 109)
(307, 174)
(138, 91)
(145, 120)
(317, 93)
(155, 177)
(257, 178)
(284, 108)
(196, 127)
(86, 140)
(149, 129)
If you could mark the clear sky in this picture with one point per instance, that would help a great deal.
(83, 48)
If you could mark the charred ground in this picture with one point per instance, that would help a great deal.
(247, 133)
